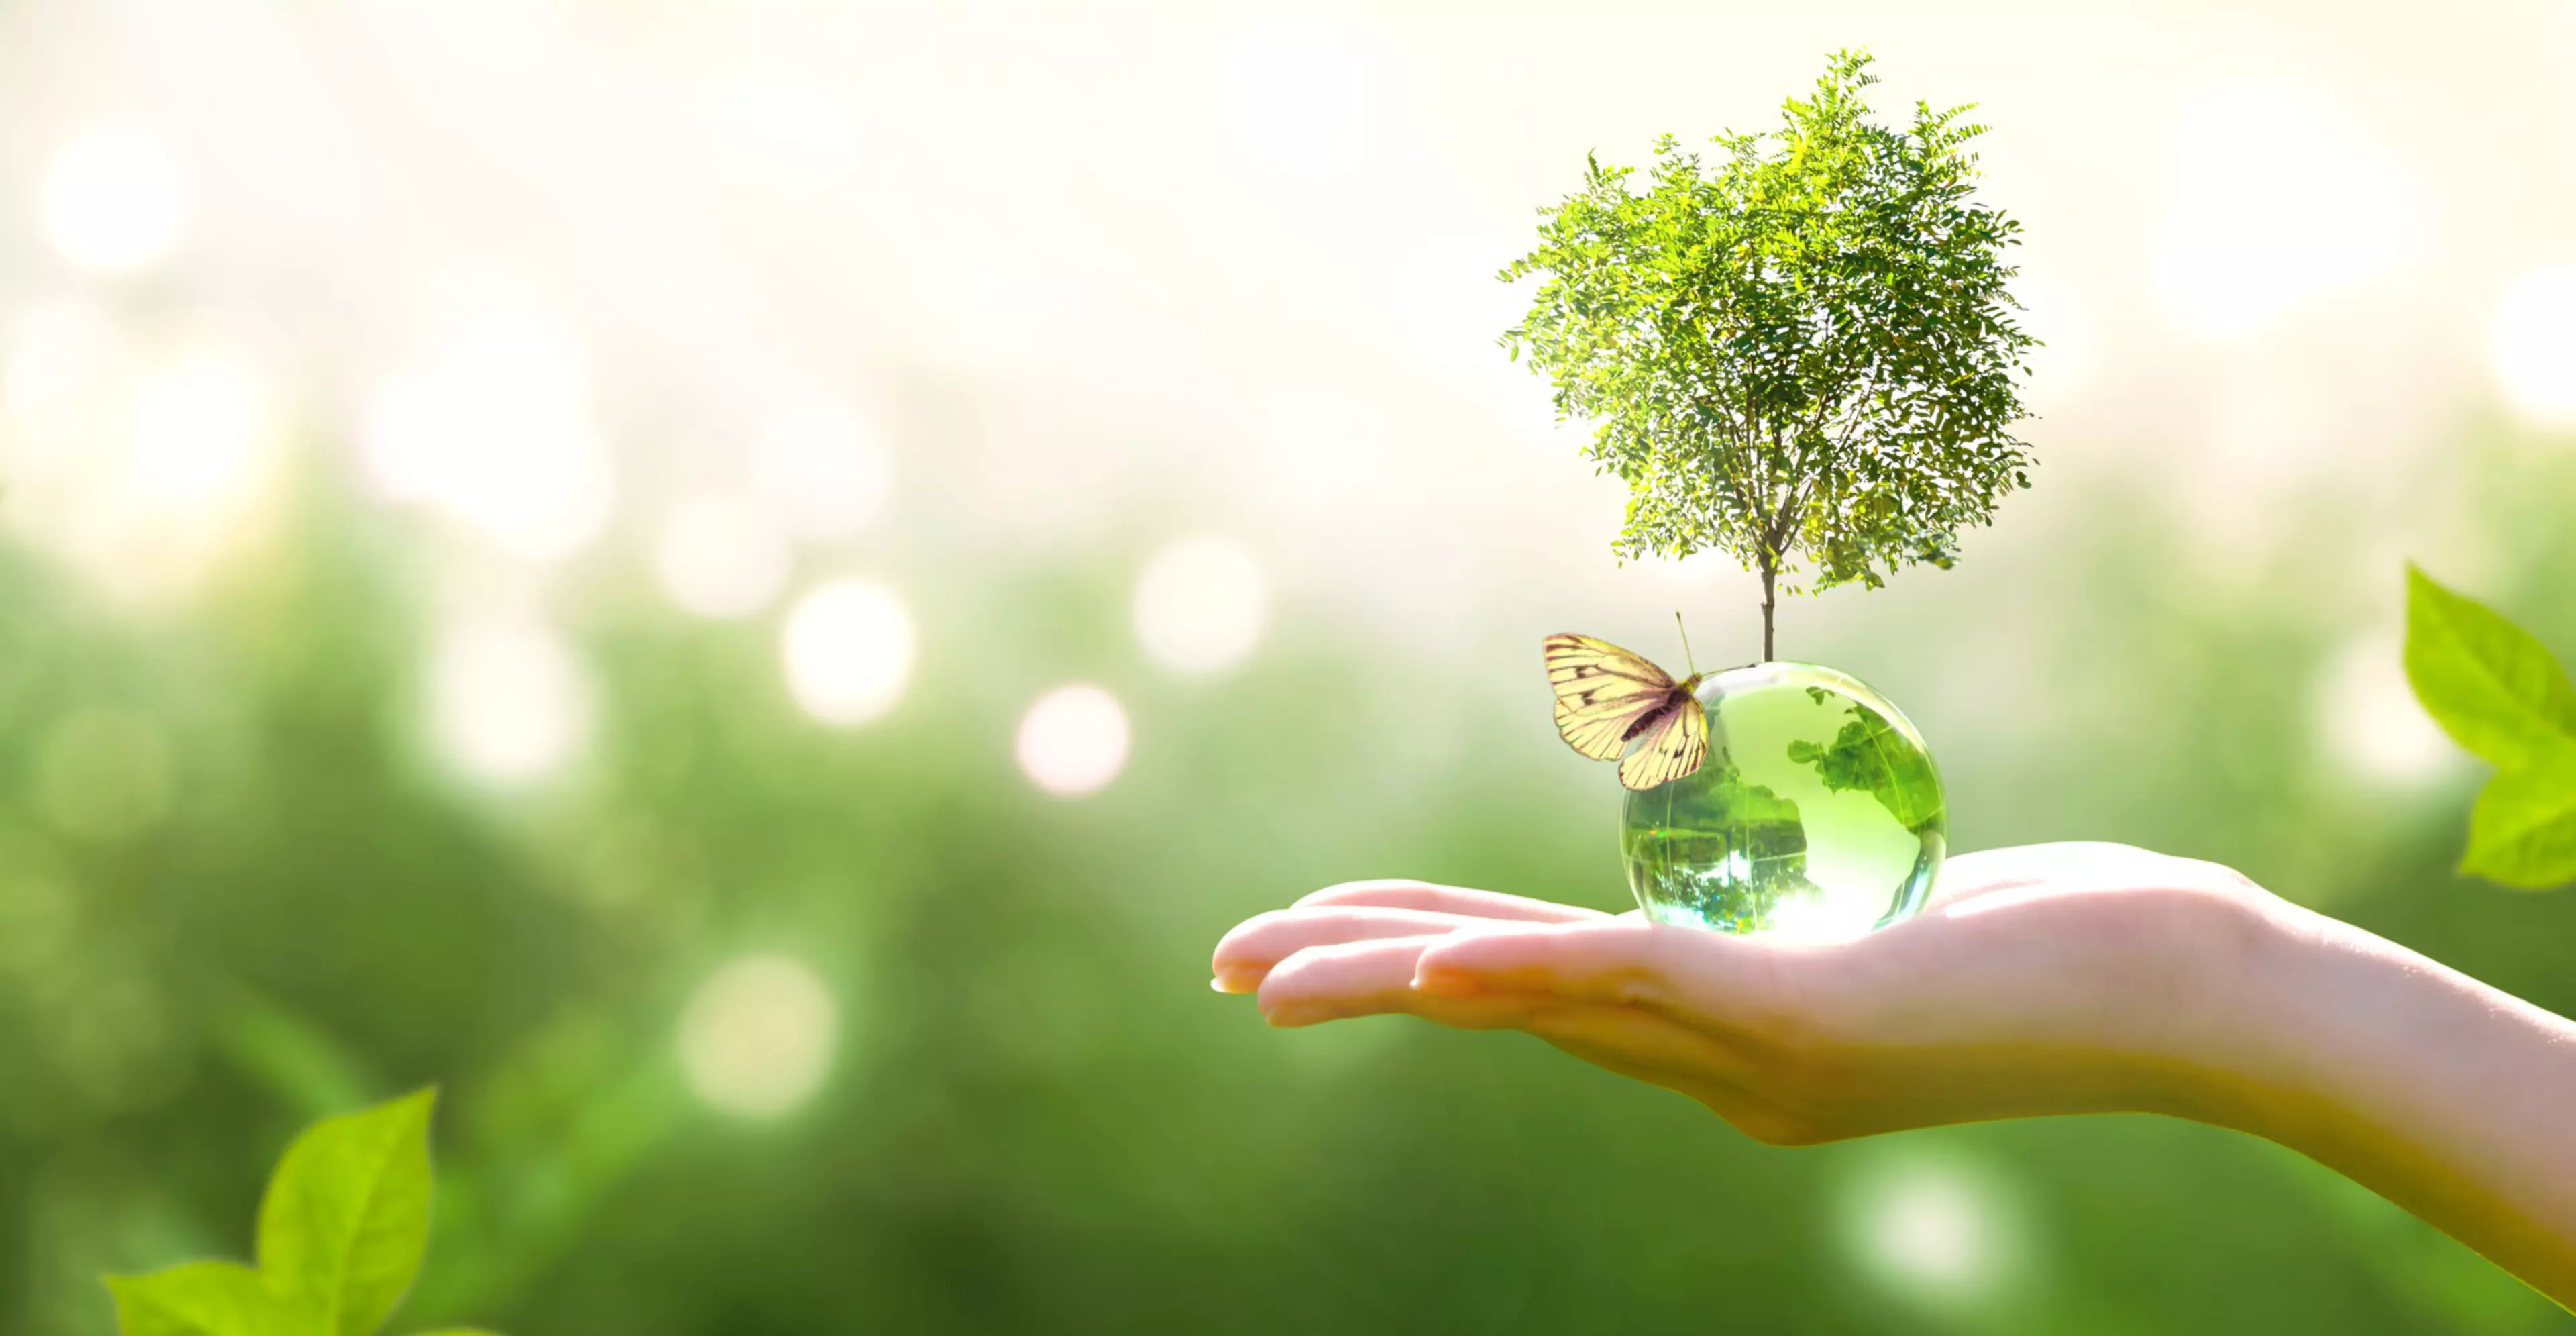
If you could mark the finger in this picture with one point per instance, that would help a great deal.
(1323, 983)
(1621, 961)
(1451, 900)
(1259, 942)
(1351, 979)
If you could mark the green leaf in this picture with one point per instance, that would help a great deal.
(346, 1218)
(208, 1299)
(2493, 688)
(2523, 832)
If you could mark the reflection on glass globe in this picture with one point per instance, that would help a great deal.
(1817, 814)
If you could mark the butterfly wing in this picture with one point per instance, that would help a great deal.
(1671, 746)
(1602, 692)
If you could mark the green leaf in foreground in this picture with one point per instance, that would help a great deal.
(2523, 832)
(2501, 694)
(2492, 687)
(208, 1299)
(346, 1219)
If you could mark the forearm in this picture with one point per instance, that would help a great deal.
(2440, 1093)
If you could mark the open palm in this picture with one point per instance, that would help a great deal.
(2056, 978)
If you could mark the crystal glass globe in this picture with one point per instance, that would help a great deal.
(1818, 812)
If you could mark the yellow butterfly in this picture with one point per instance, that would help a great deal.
(1612, 705)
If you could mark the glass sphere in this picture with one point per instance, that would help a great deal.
(1818, 812)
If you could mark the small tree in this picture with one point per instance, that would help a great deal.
(1805, 354)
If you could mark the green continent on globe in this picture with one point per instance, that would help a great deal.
(1817, 813)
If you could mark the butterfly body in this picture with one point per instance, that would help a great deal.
(1612, 705)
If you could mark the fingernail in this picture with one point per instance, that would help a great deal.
(1235, 979)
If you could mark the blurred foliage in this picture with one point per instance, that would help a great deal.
(254, 900)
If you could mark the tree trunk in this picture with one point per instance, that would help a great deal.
(1770, 599)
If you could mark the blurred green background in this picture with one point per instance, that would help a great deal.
(749, 588)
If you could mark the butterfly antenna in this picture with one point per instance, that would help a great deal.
(1689, 657)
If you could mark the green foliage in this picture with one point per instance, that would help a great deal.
(341, 1235)
(2523, 831)
(209, 1299)
(2499, 693)
(347, 1217)
(1802, 353)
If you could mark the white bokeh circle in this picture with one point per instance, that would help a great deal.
(1073, 741)
(1200, 605)
(847, 650)
(758, 1036)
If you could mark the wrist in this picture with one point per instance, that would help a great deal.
(2255, 1055)
(2311, 1015)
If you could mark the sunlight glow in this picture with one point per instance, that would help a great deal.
(1816, 920)
(848, 650)
(1200, 605)
(793, 124)
(143, 473)
(2273, 205)
(114, 201)
(758, 1035)
(823, 470)
(1299, 99)
(497, 432)
(721, 557)
(508, 700)
(59, 356)
(199, 429)
(2369, 720)
(2533, 344)
(1073, 741)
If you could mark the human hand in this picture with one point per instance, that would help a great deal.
(2055, 978)
(2059, 978)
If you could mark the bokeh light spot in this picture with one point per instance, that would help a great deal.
(823, 470)
(104, 774)
(757, 1037)
(142, 472)
(1200, 605)
(2533, 344)
(198, 433)
(721, 557)
(847, 649)
(498, 433)
(1073, 741)
(1934, 1230)
(508, 700)
(114, 200)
